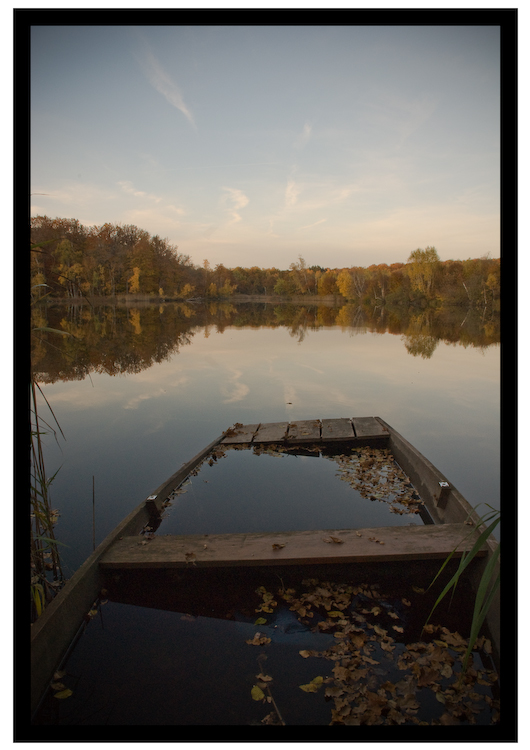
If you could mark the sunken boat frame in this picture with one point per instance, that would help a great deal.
(55, 631)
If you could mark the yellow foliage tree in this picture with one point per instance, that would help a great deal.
(345, 284)
(134, 281)
(187, 290)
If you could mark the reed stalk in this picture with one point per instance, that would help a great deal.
(46, 574)
(489, 582)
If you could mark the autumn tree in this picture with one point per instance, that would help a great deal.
(327, 283)
(301, 275)
(422, 269)
(352, 282)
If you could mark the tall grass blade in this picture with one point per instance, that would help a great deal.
(486, 589)
(465, 560)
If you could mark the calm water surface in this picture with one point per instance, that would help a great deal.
(131, 431)
(181, 376)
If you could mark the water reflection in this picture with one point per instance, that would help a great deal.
(121, 339)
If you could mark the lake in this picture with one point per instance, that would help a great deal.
(140, 390)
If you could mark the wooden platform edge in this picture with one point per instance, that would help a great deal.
(356, 430)
(385, 544)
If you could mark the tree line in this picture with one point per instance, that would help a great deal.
(70, 260)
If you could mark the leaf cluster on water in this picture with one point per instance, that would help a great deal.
(374, 474)
(366, 686)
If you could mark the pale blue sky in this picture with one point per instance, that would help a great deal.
(247, 145)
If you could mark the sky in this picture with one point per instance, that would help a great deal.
(253, 145)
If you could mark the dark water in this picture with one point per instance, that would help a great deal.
(245, 492)
(144, 666)
(139, 391)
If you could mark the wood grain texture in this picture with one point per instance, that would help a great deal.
(390, 543)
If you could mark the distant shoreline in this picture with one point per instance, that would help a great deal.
(128, 299)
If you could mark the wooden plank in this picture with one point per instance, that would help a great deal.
(337, 429)
(394, 543)
(368, 427)
(272, 432)
(242, 434)
(304, 432)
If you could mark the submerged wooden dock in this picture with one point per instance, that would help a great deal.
(129, 549)
(356, 429)
(388, 544)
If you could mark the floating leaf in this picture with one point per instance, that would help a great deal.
(63, 694)
(333, 692)
(334, 613)
(312, 686)
(258, 640)
(306, 653)
(397, 628)
(341, 673)
(358, 640)
(260, 621)
(264, 608)
(257, 693)
(264, 677)
(309, 688)
(368, 659)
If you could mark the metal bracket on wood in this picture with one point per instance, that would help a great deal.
(153, 507)
(443, 496)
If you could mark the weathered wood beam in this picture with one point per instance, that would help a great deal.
(392, 543)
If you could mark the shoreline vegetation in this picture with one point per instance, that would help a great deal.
(125, 264)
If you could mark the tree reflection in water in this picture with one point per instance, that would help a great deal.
(119, 339)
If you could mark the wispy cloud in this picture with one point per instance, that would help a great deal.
(303, 139)
(160, 79)
(238, 200)
(309, 226)
(291, 194)
(129, 188)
